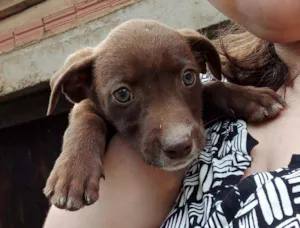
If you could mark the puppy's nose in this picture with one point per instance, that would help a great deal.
(179, 149)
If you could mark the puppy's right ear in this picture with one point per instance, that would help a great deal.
(73, 79)
(204, 52)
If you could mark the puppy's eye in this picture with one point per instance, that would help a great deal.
(123, 95)
(188, 78)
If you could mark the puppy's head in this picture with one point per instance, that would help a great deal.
(144, 79)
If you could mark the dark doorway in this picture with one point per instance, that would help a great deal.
(27, 155)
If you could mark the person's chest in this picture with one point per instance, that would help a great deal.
(278, 139)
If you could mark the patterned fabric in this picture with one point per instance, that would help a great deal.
(215, 195)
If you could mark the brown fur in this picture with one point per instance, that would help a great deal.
(164, 120)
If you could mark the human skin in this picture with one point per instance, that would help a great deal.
(135, 195)
(277, 20)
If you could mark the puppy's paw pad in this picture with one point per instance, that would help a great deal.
(48, 192)
(91, 193)
(74, 204)
(72, 189)
(275, 108)
(264, 104)
(59, 201)
(258, 114)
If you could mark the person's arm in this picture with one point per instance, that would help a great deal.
(133, 195)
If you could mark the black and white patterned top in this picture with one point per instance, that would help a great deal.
(215, 195)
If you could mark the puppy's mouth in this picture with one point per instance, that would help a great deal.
(174, 165)
(178, 165)
(175, 151)
(168, 164)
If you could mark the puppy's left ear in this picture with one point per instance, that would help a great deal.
(204, 52)
(73, 79)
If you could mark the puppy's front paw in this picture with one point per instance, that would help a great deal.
(257, 104)
(74, 181)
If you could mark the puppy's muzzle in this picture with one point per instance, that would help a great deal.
(180, 148)
(178, 141)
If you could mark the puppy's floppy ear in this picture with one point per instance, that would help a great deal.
(73, 79)
(204, 52)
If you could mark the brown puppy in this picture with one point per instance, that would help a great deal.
(143, 80)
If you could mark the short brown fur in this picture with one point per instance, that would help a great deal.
(165, 118)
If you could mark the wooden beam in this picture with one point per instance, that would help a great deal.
(8, 8)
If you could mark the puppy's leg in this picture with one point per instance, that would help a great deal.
(245, 102)
(74, 180)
